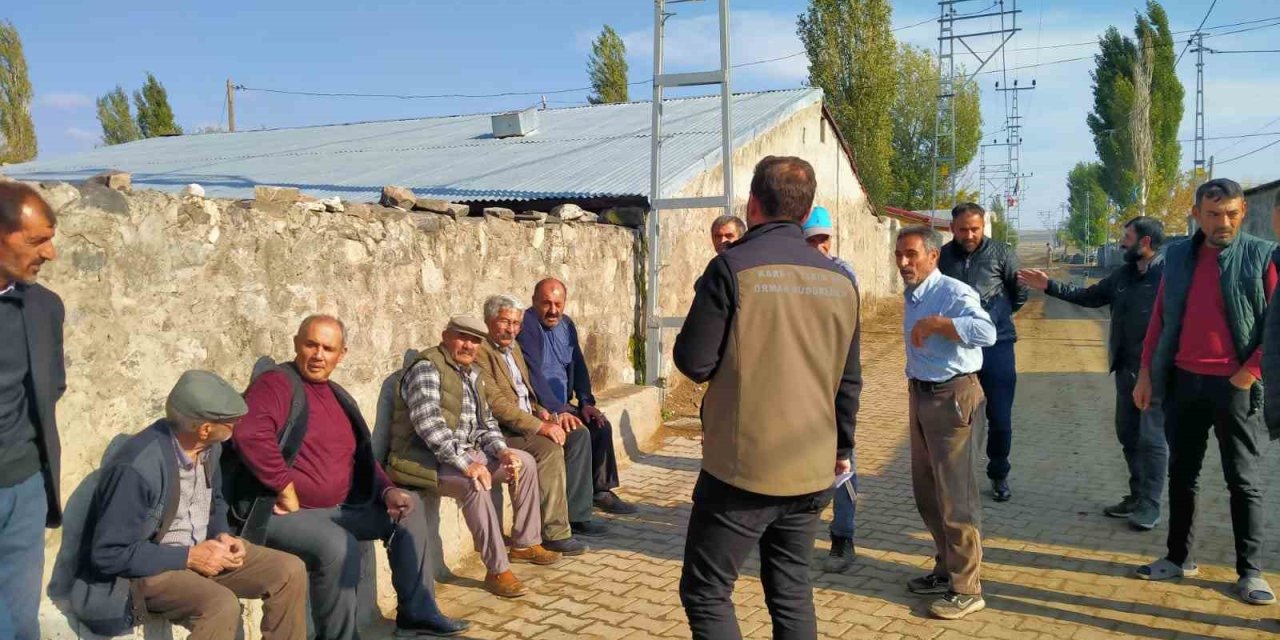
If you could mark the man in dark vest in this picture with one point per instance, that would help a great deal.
(1203, 356)
(159, 521)
(445, 440)
(774, 330)
(334, 493)
(1130, 291)
(32, 379)
(558, 371)
(991, 268)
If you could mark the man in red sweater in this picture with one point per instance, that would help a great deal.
(335, 493)
(1202, 355)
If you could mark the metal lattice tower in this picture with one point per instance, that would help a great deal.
(1198, 38)
(944, 145)
(654, 321)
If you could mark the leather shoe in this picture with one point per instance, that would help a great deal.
(1000, 490)
(567, 547)
(537, 554)
(437, 625)
(589, 528)
(609, 502)
(505, 585)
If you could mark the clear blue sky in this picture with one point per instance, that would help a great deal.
(77, 50)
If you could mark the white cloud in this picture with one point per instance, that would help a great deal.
(65, 100)
(81, 135)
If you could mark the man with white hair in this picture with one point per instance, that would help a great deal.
(563, 455)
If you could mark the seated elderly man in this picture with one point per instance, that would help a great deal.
(563, 455)
(444, 438)
(307, 448)
(558, 374)
(158, 520)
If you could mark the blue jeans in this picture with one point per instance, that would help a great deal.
(22, 512)
(845, 507)
(999, 378)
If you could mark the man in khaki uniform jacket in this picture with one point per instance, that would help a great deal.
(563, 455)
(774, 330)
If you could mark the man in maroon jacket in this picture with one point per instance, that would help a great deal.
(335, 493)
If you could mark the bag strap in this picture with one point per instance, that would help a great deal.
(295, 427)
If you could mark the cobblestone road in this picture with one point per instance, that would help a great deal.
(1055, 567)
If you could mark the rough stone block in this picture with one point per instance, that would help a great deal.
(427, 222)
(99, 196)
(118, 180)
(400, 197)
(588, 217)
(567, 212)
(285, 195)
(500, 212)
(535, 216)
(193, 190)
(624, 216)
(333, 205)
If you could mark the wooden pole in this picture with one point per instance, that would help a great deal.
(231, 106)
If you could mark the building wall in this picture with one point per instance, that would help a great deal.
(862, 238)
(157, 285)
(1261, 201)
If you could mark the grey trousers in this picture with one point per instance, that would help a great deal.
(327, 540)
(482, 516)
(942, 475)
(564, 479)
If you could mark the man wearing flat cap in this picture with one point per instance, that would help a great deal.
(156, 541)
(444, 439)
(307, 444)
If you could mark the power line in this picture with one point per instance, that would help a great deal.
(1240, 136)
(1202, 21)
(1245, 155)
(1237, 143)
(1242, 50)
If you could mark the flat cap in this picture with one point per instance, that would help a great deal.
(469, 325)
(204, 395)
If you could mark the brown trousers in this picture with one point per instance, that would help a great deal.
(482, 516)
(210, 607)
(942, 475)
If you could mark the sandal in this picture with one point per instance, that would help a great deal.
(1255, 590)
(1164, 569)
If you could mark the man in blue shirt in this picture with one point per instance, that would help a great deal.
(945, 328)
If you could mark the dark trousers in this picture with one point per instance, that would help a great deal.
(999, 378)
(1142, 439)
(604, 464)
(327, 540)
(724, 525)
(22, 513)
(1195, 404)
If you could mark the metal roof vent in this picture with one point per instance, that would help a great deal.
(516, 123)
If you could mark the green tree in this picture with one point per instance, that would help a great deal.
(116, 118)
(1087, 224)
(17, 132)
(607, 68)
(851, 57)
(1140, 163)
(1000, 225)
(913, 120)
(155, 116)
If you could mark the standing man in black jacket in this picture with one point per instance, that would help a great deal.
(990, 267)
(774, 328)
(32, 379)
(1131, 292)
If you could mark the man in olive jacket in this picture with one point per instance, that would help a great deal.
(774, 328)
(563, 455)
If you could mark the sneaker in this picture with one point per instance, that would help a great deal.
(435, 626)
(954, 606)
(609, 502)
(1000, 490)
(1123, 509)
(537, 554)
(1145, 516)
(567, 547)
(841, 556)
(589, 528)
(929, 584)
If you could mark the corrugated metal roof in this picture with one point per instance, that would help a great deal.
(579, 152)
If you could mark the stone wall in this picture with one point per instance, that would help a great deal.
(155, 284)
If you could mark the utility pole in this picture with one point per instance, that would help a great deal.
(1199, 150)
(944, 144)
(231, 106)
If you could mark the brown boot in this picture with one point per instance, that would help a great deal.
(505, 585)
(537, 554)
